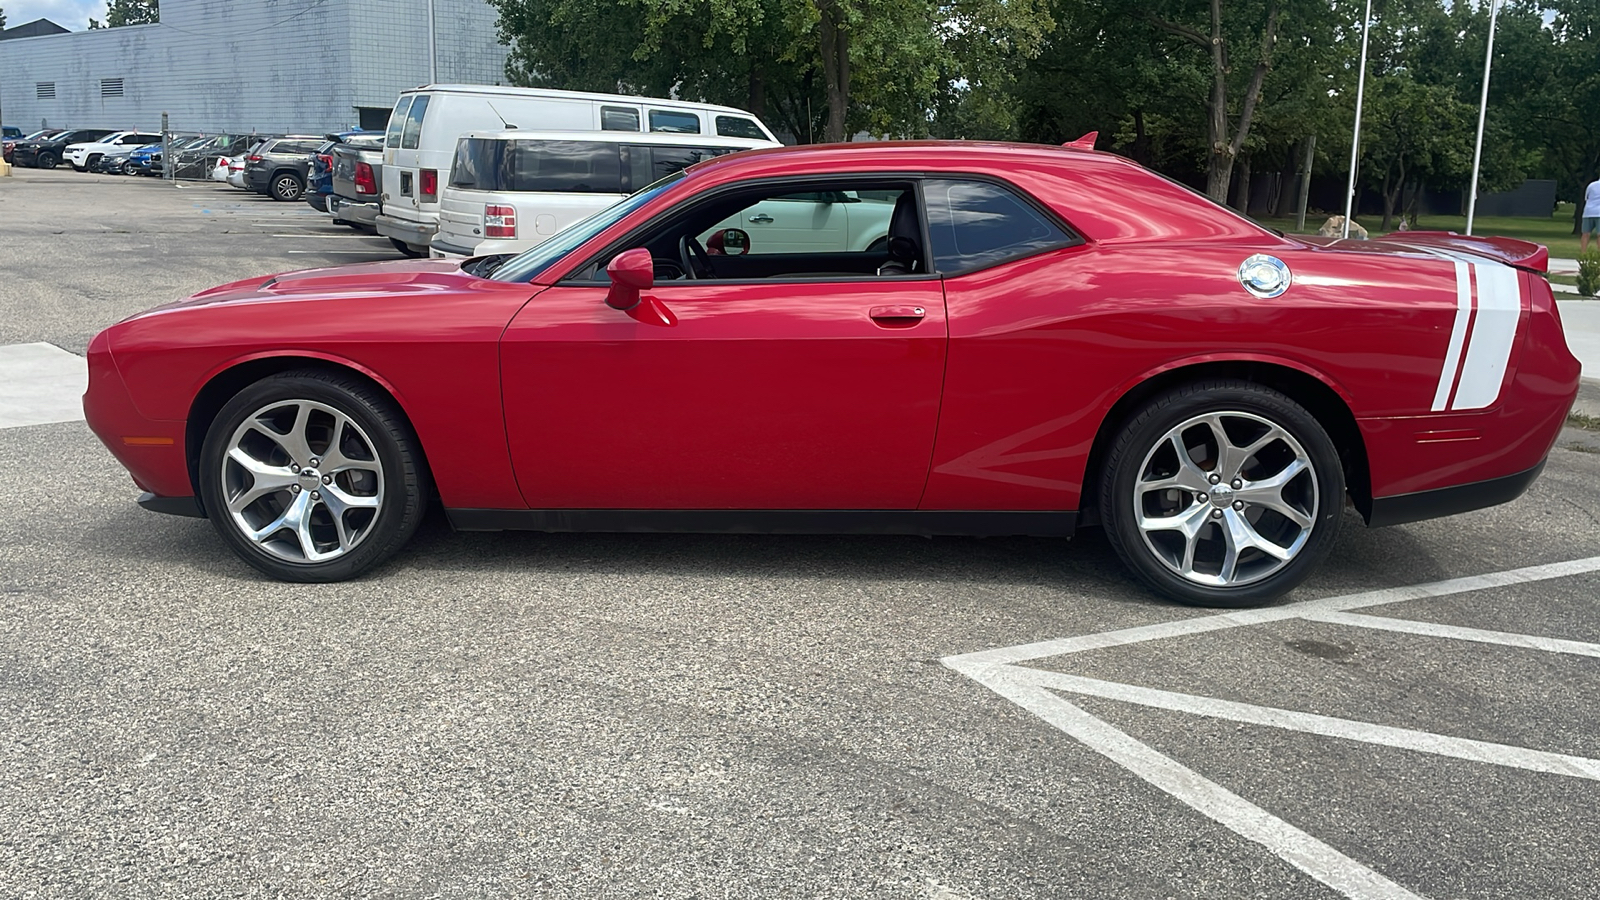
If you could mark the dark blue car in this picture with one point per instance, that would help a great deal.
(144, 161)
(319, 177)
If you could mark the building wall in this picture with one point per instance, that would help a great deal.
(248, 65)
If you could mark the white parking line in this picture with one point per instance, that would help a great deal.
(1035, 690)
(40, 384)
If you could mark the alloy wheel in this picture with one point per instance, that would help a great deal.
(1226, 499)
(302, 481)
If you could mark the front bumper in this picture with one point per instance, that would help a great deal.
(152, 450)
(417, 234)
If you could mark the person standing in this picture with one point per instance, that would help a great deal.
(1591, 217)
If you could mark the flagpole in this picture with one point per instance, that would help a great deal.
(1355, 138)
(1483, 108)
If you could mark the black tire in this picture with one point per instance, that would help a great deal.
(405, 248)
(92, 163)
(287, 186)
(1243, 405)
(386, 444)
(47, 161)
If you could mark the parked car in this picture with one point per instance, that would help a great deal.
(357, 177)
(10, 144)
(195, 160)
(86, 156)
(319, 180)
(236, 166)
(115, 162)
(279, 167)
(1049, 333)
(10, 132)
(510, 190)
(427, 122)
(46, 152)
(148, 160)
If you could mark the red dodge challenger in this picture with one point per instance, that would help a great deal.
(1036, 338)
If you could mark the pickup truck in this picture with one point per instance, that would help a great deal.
(357, 179)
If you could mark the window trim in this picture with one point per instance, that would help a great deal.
(415, 137)
(669, 218)
(389, 131)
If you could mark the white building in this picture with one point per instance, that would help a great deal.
(249, 65)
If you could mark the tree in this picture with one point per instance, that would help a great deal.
(2, 17)
(834, 66)
(129, 12)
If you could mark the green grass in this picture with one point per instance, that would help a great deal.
(1586, 422)
(1554, 232)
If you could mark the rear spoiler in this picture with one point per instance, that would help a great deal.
(1512, 252)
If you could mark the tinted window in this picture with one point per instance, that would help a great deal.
(739, 126)
(397, 121)
(587, 167)
(413, 129)
(292, 147)
(973, 224)
(618, 118)
(675, 122)
(648, 164)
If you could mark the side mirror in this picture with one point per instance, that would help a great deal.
(729, 242)
(631, 271)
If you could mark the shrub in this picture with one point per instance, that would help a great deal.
(1589, 273)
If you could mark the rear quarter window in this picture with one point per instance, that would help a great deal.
(649, 163)
(976, 224)
(740, 127)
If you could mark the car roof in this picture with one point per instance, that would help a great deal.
(501, 90)
(632, 137)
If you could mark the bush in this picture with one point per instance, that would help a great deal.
(1589, 273)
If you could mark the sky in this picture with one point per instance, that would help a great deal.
(73, 14)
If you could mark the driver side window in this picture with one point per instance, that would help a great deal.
(843, 231)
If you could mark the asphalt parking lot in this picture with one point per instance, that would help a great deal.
(713, 716)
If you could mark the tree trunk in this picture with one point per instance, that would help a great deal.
(1241, 197)
(757, 102)
(1139, 151)
(835, 67)
(1226, 143)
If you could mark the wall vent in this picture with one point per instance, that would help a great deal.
(44, 90)
(111, 87)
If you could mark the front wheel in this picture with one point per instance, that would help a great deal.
(312, 476)
(1222, 493)
(48, 160)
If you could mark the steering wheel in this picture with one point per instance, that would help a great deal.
(696, 261)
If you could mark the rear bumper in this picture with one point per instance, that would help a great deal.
(318, 202)
(1452, 500)
(417, 234)
(358, 211)
(439, 249)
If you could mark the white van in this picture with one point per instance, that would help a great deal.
(428, 121)
(509, 190)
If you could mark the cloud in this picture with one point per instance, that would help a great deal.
(73, 14)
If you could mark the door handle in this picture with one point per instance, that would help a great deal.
(761, 218)
(897, 316)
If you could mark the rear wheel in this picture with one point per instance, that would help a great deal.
(312, 476)
(1222, 493)
(287, 186)
(405, 248)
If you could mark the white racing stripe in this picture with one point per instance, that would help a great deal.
(1493, 331)
(1494, 291)
(1458, 335)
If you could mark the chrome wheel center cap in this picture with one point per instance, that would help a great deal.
(1221, 496)
(310, 479)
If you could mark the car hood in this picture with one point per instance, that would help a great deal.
(376, 280)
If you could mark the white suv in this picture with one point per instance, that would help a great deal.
(86, 156)
(510, 190)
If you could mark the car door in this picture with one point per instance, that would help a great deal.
(783, 392)
(809, 222)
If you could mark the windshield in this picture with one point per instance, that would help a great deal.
(527, 265)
